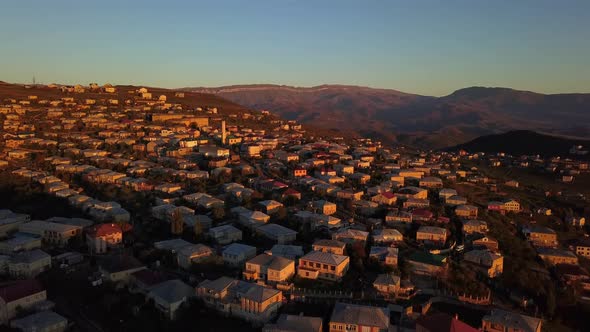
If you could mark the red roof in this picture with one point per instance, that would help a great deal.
(126, 227)
(20, 289)
(444, 220)
(104, 230)
(388, 195)
(441, 322)
(422, 213)
(279, 184)
(291, 191)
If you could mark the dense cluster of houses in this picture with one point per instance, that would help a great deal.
(259, 195)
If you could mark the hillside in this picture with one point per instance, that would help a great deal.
(429, 122)
(191, 99)
(521, 142)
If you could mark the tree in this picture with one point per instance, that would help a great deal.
(550, 302)
(198, 229)
(177, 224)
(218, 212)
(281, 213)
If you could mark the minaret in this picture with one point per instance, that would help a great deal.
(223, 134)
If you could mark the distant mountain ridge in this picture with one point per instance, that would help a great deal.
(260, 87)
(423, 121)
(523, 142)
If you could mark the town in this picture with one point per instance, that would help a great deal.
(143, 209)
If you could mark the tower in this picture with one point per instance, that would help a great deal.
(223, 134)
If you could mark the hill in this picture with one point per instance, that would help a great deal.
(522, 142)
(191, 99)
(423, 121)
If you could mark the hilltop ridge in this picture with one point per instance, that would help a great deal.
(423, 121)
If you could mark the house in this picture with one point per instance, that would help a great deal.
(270, 206)
(554, 256)
(269, 268)
(286, 250)
(501, 320)
(423, 263)
(354, 317)
(299, 172)
(331, 246)
(394, 217)
(101, 237)
(431, 182)
(360, 178)
(509, 205)
(342, 169)
(290, 192)
(323, 265)
(511, 183)
(540, 236)
(118, 269)
(172, 245)
(455, 200)
(445, 193)
(324, 207)
(412, 192)
(295, 323)
(143, 281)
(386, 255)
(50, 232)
(170, 295)
(416, 203)
(466, 211)
(10, 221)
(277, 233)
(253, 219)
(193, 253)
(18, 295)
(350, 235)
(441, 322)
(491, 264)
(225, 234)
(387, 235)
(572, 275)
(385, 198)
(19, 242)
(582, 247)
(43, 321)
(475, 226)
(28, 264)
(388, 285)
(241, 299)
(485, 242)
(349, 194)
(237, 253)
(431, 235)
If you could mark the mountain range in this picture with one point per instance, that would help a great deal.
(412, 119)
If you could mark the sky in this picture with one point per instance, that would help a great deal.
(418, 46)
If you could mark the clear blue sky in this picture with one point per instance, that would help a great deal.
(428, 47)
